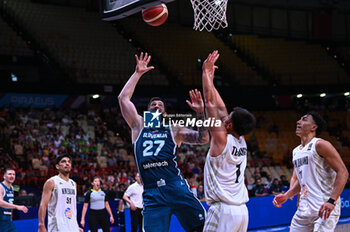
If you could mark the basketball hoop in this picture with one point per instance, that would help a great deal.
(209, 14)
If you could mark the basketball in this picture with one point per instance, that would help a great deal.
(155, 15)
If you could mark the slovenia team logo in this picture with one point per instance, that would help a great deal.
(68, 213)
(151, 119)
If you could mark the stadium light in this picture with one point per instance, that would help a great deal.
(322, 95)
(14, 78)
(95, 96)
(346, 94)
(299, 95)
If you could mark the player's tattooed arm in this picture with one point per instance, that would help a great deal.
(189, 136)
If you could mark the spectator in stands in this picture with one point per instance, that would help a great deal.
(284, 182)
(23, 193)
(200, 192)
(120, 191)
(260, 189)
(275, 187)
(257, 174)
(268, 181)
(108, 190)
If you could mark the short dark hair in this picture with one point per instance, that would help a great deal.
(9, 169)
(60, 157)
(319, 121)
(156, 99)
(243, 121)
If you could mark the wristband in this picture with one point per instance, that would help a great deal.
(331, 200)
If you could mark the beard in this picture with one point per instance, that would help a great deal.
(65, 171)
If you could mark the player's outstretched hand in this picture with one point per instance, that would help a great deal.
(279, 200)
(209, 64)
(196, 102)
(142, 63)
(81, 230)
(22, 208)
(325, 210)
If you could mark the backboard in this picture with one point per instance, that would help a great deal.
(116, 9)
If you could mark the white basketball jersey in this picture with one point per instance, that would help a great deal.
(62, 207)
(224, 174)
(315, 176)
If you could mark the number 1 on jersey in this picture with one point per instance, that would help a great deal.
(148, 144)
(238, 172)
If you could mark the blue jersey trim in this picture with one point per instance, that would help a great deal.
(175, 153)
(135, 152)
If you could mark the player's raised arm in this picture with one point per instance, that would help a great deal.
(127, 108)
(213, 103)
(45, 198)
(201, 135)
(208, 70)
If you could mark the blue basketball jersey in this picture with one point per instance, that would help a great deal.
(155, 154)
(5, 214)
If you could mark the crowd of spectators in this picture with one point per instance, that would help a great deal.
(31, 140)
(99, 143)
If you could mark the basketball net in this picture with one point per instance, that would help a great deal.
(209, 14)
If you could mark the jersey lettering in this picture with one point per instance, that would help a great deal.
(68, 191)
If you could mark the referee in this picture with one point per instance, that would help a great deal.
(98, 202)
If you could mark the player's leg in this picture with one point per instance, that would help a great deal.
(302, 223)
(212, 219)
(186, 207)
(331, 222)
(156, 219)
(232, 218)
(156, 212)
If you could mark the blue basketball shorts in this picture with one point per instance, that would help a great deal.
(173, 198)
